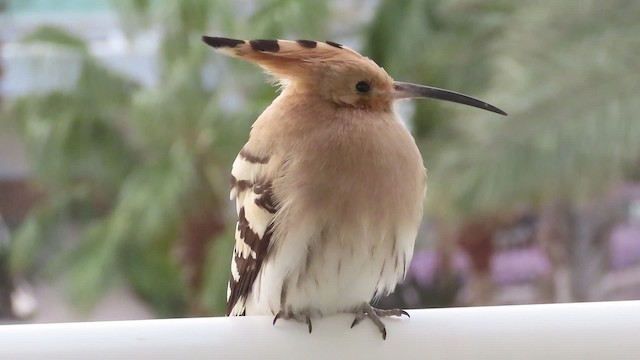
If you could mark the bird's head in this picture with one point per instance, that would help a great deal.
(333, 72)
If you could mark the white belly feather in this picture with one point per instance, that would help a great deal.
(331, 273)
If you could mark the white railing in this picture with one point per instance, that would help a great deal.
(604, 330)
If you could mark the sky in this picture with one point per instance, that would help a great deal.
(39, 6)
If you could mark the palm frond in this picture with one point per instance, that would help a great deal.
(567, 75)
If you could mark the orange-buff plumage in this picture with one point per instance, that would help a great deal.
(329, 188)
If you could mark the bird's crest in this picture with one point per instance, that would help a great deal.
(326, 68)
(272, 52)
(291, 59)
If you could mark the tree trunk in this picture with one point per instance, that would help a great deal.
(200, 228)
(556, 235)
(476, 238)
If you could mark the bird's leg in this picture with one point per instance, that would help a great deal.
(303, 317)
(366, 310)
(279, 315)
(309, 323)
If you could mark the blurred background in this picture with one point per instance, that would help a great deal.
(118, 128)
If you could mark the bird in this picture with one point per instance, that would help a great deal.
(329, 187)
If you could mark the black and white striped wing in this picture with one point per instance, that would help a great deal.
(256, 208)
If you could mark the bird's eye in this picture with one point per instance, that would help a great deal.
(363, 87)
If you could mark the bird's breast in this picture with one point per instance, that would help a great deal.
(349, 192)
(356, 169)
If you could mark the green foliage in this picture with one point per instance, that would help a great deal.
(307, 17)
(91, 267)
(52, 34)
(132, 166)
(441, 43)
(214, 295)
(156, 276)
(32, 237)
(567, 74)
(135, 178)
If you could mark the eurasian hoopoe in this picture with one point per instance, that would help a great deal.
(329, 188)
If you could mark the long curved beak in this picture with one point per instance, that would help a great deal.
(403, 90)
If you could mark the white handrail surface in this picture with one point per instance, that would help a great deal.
(603, 330)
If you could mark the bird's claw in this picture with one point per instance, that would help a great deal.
(390, 312)
(278, 316)
(366, 310)
(303, 317)
(309, 323)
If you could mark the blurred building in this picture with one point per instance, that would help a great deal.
(93, 21)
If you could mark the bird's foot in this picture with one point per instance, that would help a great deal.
(368, 311)
(303, 317)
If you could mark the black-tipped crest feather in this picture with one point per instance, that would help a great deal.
(218, 42)
(265, 45)
(309, 44)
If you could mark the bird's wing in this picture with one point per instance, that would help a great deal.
(256, 207)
